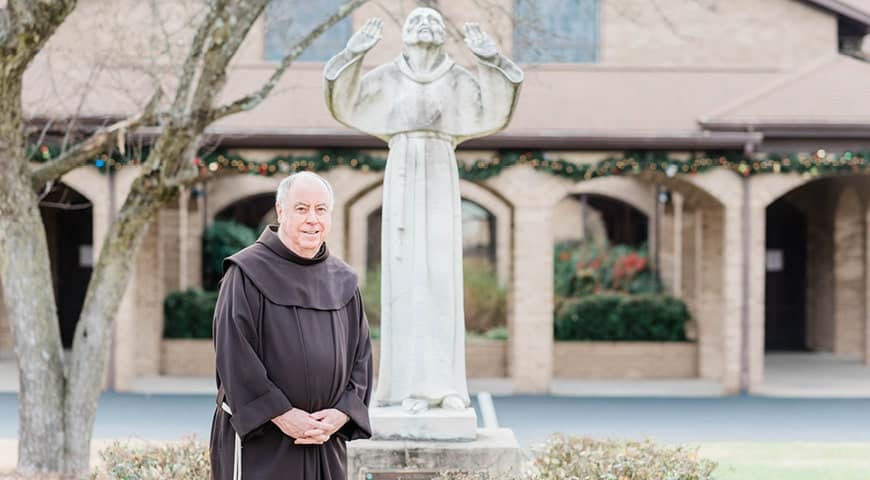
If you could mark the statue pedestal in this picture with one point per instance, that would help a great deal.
(395, 423)
(493, 451)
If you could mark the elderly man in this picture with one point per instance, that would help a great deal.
(292, 347)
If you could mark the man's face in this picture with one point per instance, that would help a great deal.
(424, 26)
(306, 217)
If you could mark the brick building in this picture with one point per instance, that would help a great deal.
(768, 261)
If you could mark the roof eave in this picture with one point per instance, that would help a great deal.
(805, 130)
(844, 10)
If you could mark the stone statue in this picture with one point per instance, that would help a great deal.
(423, 105)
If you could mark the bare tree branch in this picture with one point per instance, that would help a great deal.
(29, 24)
(98, 141)
(194, 57)
(88, 89)
(251, 100)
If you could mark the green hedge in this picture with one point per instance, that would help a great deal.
(618, 317)
(220, 240)
(188, 314)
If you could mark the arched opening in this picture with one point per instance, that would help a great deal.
(485, 298)
(478, 235)
(592, 232)
(255, 211)
(68, 219)
(785, 277)
(815, 302)
(663, 243)
(814, 274)
(599, 219)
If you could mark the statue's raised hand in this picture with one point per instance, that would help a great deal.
(366, 38)
(479, 43)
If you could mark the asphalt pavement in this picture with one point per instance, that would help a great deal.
(533, 418)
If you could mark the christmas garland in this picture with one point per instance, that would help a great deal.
(630, 163)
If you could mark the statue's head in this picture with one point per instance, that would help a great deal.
(424, 26)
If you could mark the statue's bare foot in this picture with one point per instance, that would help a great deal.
(415, 405)
(453, 402)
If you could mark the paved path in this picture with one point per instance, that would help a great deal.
(533, 418)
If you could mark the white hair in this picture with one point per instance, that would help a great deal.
(284, 187)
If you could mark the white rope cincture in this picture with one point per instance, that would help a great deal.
(237, 453)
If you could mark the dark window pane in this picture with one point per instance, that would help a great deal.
(556, 31)
(287, 21)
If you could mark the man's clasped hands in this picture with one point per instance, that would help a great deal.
(310, 428)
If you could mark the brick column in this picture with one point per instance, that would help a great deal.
(183, 239)
(124, 369)
(757, 277)
(531, 300)
(678, 245)
(584, 213)
(732, 298)
(698, 277)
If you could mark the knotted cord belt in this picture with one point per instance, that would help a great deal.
(237, 453)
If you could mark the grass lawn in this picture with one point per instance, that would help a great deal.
(789, 461)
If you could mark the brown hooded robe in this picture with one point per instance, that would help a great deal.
(288, 332)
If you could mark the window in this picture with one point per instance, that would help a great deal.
(556, 31)
(287, 21)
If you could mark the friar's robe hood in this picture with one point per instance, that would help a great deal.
(323, 282)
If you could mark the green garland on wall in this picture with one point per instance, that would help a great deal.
(630, 163)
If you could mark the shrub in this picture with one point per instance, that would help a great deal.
(619, 317)
(653, 317)
(371, 296)
(219, 241)
(189, 313)
(485, 301)
(566, 457)
(590, 318)
(187, 460)
(497, 333)
(586, 268)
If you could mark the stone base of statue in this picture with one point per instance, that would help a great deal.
(494, 452)
(396, 423)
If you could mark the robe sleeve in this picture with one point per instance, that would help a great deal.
(251, 395)
(354, 99)
(493, 104)
(354, 400)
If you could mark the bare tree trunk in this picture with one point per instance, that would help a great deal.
(29, 297)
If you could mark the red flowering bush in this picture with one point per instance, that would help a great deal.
(587, 269)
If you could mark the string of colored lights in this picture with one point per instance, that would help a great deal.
(817, 163)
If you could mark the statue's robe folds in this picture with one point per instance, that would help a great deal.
(289, 332)
(423, 116)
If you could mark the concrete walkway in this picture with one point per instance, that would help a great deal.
(815, 375)
(790, 375)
